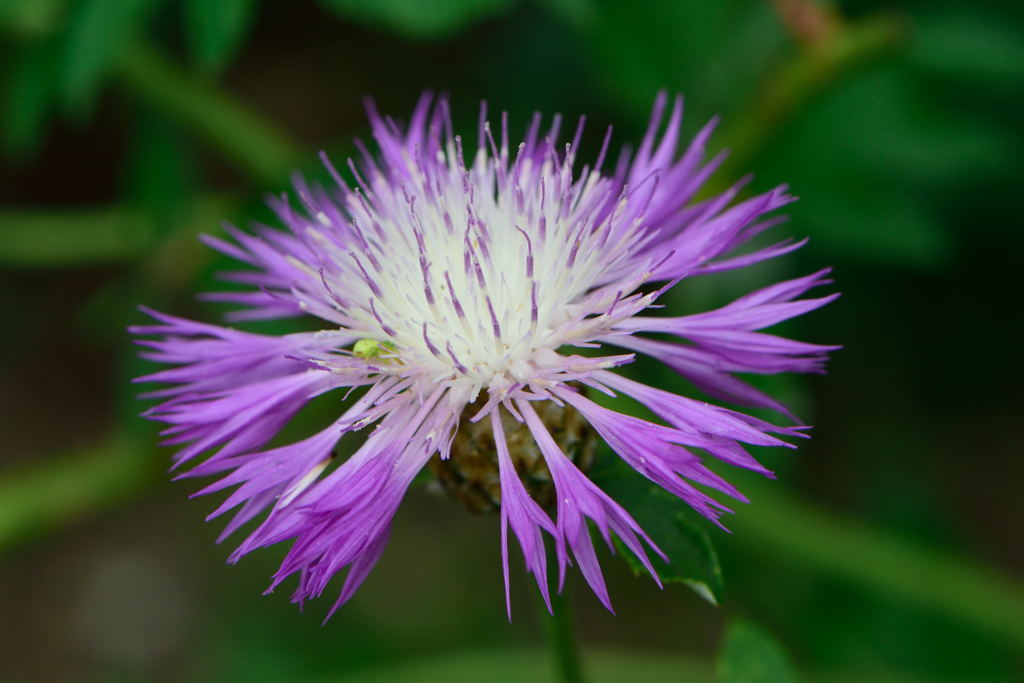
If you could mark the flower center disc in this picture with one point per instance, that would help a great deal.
(470, 475)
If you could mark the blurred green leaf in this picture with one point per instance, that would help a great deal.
(160, 171)
(578, 13)
(643, 47)
(27, 99)
(30, 18)
(671, 524)
(750, 655)
(415, 18)
(873, 162)
(868, 221)
(886, 124)
(96, 31)
(747, 51)
(970, 45)
(215, 30)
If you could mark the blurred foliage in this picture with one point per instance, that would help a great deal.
(749, 655)
(672, 524)
(216, 30)
(420, 20)
(30, 88)
(128, 126)
(94, 34)
(953, 42)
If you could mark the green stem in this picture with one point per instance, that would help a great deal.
(59, 490)
(560, 637)
(34, 238)
(254, 144)
(794, 81)
(829, 544)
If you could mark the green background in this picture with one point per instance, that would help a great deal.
(890, 548)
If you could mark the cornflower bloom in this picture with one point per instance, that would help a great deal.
(454, 290)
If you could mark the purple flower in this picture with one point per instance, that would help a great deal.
(454, 288)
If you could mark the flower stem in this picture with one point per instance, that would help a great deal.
(62, 489)
(259, 148)
(560, 636)
(48, 238)
(797, 78)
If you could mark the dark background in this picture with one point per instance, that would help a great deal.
(890, 549)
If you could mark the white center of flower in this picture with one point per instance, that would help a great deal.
(473, 272)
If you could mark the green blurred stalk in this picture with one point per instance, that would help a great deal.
(30, 238)
(560, 636)
(253, 144)
(59, 490)
(800, 77)
(827, 543)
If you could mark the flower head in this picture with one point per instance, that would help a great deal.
(458, 290)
